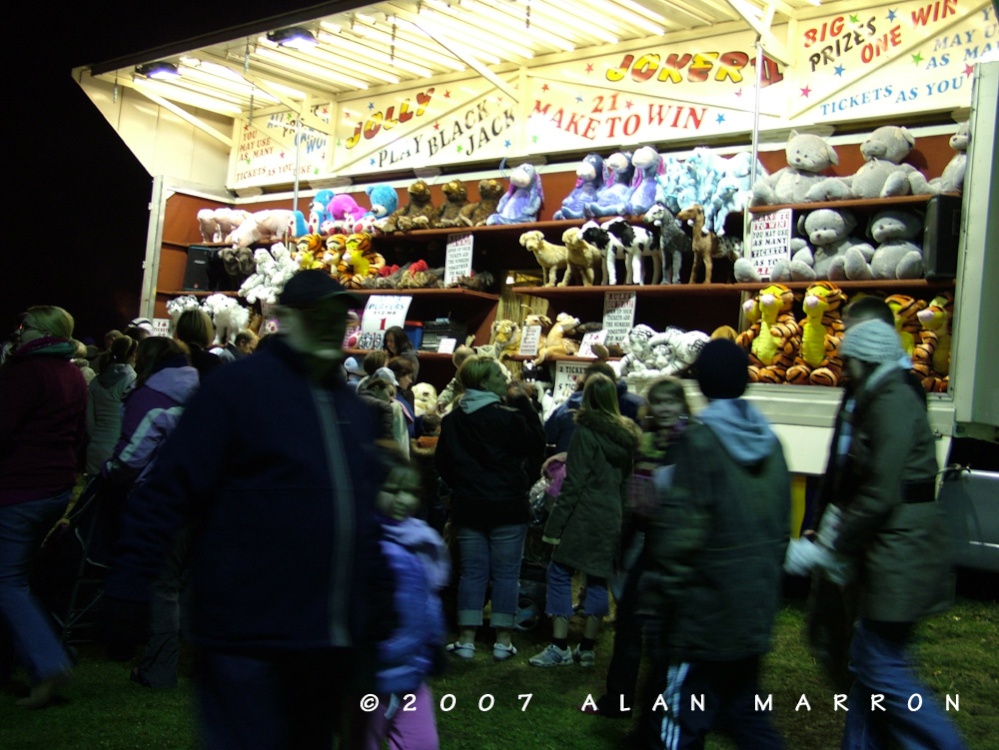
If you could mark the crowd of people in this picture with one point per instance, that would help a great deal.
(306, 523)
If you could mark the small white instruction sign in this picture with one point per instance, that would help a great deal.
(161, 327)
(589, 339)
(567, 374)
(457, 257)
(447, 345)
(381, 311)
(530, 339)
(619, 315)
(770, 240)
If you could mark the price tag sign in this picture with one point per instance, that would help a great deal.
(458, 257)
(381, 311)
(589, 339)
(770, 240)
(447, 345)
(567, 374)
(530, 339)
(161, 327)
(619, 315)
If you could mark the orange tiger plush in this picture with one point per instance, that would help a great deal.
(931, 355)
(359, 266)
(817, 361)
(771, 340)
(905, 309)
(335, 246)
(310, 251)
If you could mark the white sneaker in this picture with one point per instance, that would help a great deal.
(461, 650)
(502, 653)
(584, 658)
(552, 656)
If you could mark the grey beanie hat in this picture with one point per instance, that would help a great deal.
(872, 341)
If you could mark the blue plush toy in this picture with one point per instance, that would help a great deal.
(589, 180)
(522, 200)
(612, 199)
(384, 201)
(318, 215)
(648, 166)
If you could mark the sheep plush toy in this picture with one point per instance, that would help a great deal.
(882, 175)
(589, 180)
(808, 156)
(522, 200)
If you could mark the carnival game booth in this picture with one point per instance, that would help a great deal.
(762, 114)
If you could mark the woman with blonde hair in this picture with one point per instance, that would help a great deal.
(104, 398)
(43, 427)
(585, 524)
(488, 454)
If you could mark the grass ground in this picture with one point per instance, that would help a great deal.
(956, 651)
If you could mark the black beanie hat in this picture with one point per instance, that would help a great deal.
(722, 369)
(306, 288)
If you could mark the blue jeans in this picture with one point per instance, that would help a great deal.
(22, 528)
(880, 664)
(558, 602)
(489, 557)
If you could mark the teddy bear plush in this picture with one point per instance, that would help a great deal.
(896, 256)
(455, 199)
(952, 179)
(612, 198)
(882, 175)
(318, 215)
(416, 214)
(589, 180)
(343, 213)
(828, 235)
(475, 214)
(808, 156)
(384, 201)
(522, 200)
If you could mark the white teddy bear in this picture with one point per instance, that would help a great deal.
(882, 175)
(807, 157)
(952, 179)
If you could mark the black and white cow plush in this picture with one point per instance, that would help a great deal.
(633, 244)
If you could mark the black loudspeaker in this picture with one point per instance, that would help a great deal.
(196, 273)
(941, 235)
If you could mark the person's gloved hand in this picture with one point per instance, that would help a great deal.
(122, 624)
(803, 555)
(829, 525)
(550, 540)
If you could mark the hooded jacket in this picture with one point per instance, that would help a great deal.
(489, 455)
(560, 424)
(587, 516)
(419, 560)
(104, 412)
(43, 421)
(150, 414)
(716, 548)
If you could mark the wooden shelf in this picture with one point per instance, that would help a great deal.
(421, 353)
(871, 204)
(556, 358)
(874, 284)
(647, 290)
(449, 292)
(193, 293)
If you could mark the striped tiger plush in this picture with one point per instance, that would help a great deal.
(931, 355)
(905, 309)
(359, 266)
(771, 340)
(817, 361)
(336, 244)
(309, 252)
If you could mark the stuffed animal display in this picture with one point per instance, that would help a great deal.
(706, 247)
(384, 202)
(613, 196)
(771, 340)
(882, 175)
(475, 214)
(522, 200)
(897, 255)
(931, 354)
(828, 241)
(455, 200)
(906, 312)
(581, 258)
(552, 258)
(648, 166)
(589, 180)
(649, 354)
(674, 243)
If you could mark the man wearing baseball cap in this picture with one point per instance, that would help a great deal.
(289, 588)
(716, 550)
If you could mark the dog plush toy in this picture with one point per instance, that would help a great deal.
(550, 257)
(581, 257)
(522, 200)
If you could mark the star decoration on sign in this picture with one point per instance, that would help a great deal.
(892, 14)
(629, 104)
(281, 154)
(838, 70)
(579, 100)
(372, 161)
(447, 94)
(739, 92)
(720, 119)
(437, 126)
(534, 139)
(969, 69)
(544, 86)
(371, 105)
(917, 58)
(589, 67)
(805, 92)
(459, 149)
(854, 19)
(507, 144)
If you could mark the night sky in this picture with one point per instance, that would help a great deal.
(76, 237)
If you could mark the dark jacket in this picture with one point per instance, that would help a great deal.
(560, 425)
(489, 458)
(274, 474)
(717, 546)
(892, 527)
(587, 516)
(43, 421)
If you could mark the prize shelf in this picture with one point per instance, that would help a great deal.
(868, 204)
